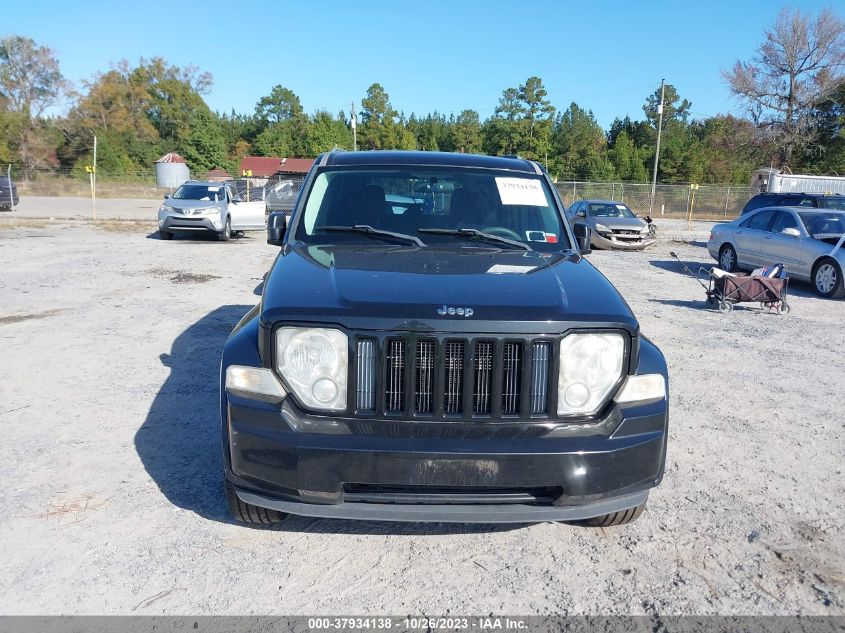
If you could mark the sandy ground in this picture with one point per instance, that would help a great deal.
(110, 343)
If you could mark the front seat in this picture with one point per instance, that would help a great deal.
(821, 226)
(362, 206)
(467, 211)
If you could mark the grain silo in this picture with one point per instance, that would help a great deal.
(171, 171)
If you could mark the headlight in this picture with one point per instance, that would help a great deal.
(601, 228)
(590, 365)
(209, 210)
(165, 209)
(314, 363)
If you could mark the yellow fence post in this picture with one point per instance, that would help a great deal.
(247, 173)
(692, 188)
(91, 171)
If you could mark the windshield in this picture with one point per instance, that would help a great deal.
(610, 210)
(199, 192)
(413, 201)
(837, 203)
(823, 223)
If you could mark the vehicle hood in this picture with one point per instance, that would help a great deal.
(377, 287)
(620, 223)
(191, 204)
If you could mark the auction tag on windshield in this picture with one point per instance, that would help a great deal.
(524, 191)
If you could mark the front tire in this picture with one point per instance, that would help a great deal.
(246, 512)
(827, 278)
(622, 517)
(727, 259)
(226, 234)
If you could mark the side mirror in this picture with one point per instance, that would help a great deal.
(583, 233)
(276, 226)
(166, 196)
(581, 214)
(791, 232)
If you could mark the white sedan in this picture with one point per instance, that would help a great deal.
(808, 241)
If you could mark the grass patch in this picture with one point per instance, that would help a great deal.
(123, 226)
(16, 223)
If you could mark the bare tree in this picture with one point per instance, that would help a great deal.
(30, 83)
(798, 66)
(30, 80)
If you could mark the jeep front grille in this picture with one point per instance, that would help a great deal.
(454, 370)
(424, 399)
(423, 376)
(394, 394)
(366, 391)
(482, 394)
(540, 376)
(511, 389)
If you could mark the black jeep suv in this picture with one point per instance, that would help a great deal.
(789, 199)
(431, 345)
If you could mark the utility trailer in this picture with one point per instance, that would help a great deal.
(769, 180)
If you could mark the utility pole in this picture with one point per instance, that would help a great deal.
(354, 131)
(657, 149)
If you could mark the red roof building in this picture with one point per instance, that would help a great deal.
(296, 165)
(260, 166)
(265, 166)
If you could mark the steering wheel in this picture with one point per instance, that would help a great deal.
(501, 231)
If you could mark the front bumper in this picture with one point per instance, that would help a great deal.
(446, 513)
(463, 472)
(178, 222)
(280, 457)
(638, 244)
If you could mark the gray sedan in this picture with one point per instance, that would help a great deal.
(613, 224)
(807, 241)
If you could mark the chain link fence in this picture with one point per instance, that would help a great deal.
(710, 202)
(280, 190)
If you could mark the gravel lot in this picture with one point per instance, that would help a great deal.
(110, 342)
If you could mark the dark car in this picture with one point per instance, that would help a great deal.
(281, 190)
(813, 200)
(8, 194)
(431, 345)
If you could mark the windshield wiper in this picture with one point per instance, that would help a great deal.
(366, 229)
(475, 234)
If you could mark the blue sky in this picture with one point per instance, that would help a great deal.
(432, 55)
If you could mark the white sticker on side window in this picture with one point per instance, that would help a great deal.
(523, 191)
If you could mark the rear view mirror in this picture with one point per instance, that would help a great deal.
(583, 234)
(791, 232)
(276, 226)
